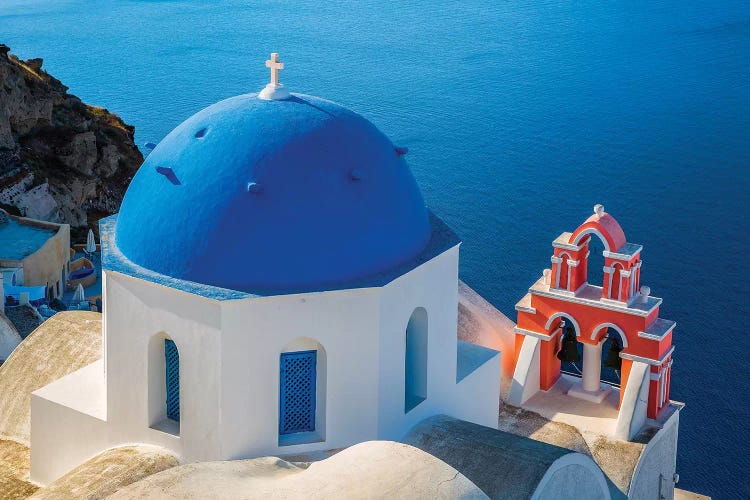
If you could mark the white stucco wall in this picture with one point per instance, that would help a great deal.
(525, 381)
(433, 286)
(575, 477)
(229, 370)
(632, 414)
(68, 419)
(256, 332)
(654, 474)
(136, 311)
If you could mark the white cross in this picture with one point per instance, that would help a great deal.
(275, 65)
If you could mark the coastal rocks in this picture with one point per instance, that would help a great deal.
(81, 153)
(6, 135)
(84, 154)
(35, 64)
(38, 203)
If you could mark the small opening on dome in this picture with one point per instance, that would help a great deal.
(169, 174)
(201, 133)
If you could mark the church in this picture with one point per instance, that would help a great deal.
(274, 286)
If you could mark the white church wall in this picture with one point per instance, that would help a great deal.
(434, 287)
(477, 396)
(68, 418)
(138, 316)
(655, 471)
(632, 414)
(256, 332)
(525, 381)
(230, 359)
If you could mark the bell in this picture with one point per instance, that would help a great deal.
(569, 350)
(613, 355)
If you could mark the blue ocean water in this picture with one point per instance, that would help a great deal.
(519, 116)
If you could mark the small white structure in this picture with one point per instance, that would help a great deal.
(79, 295)
(312, 312)
(90, 242)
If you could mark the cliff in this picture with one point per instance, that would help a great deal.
(60, 159)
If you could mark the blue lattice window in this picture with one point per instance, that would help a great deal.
(297, 392)
(172, 366)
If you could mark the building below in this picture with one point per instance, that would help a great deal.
(34, 258)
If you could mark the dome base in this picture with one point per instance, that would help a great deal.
(273, 92)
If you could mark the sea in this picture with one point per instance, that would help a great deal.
(519, 116)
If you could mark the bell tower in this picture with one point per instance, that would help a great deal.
(566, 319)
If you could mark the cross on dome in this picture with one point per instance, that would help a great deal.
(274, 91)
(275, 65)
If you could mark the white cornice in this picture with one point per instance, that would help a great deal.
(610, 305)
(538, 335)
(652, 362)
(562, 242)
(525, 307)
(662, 333)
(624, 256)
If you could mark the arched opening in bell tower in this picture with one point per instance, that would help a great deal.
(595, 262)
(564, 274)
(610, 359)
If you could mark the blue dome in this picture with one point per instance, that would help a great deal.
(256, 195)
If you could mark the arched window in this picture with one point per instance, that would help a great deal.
(302, 392)
(614, 288)
(298, 374)
(415, 379)
(564, 271)
(595, 262)
(172, 379)
(164, 384)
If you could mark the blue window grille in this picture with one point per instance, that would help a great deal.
(297, 392)
(172, 366)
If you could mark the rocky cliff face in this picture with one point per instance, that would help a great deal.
(60, 159)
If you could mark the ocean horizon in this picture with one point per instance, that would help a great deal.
(519, 117)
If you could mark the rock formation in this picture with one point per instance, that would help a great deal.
(60, 159)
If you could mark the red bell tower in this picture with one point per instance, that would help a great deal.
(619, 306)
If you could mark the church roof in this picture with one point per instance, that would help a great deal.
(251, 194)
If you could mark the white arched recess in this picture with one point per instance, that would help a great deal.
(157, 387)
(321, 372)
(563, 272)
(415, 360)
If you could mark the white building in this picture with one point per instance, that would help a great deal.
(273, 285)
